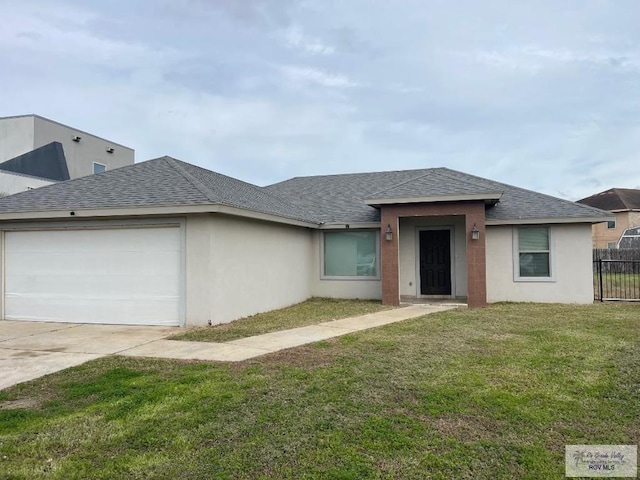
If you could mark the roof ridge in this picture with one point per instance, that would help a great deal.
(436, 170)
(447, 173)
(351, 174)
(622, 195)
(413, 179)
(300, 214)
(190, 178)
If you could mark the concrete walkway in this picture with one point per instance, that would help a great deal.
(29, 350)
(250, 347)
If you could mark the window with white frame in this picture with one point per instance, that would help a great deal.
(533, 253)
(350, 254)
(611, 224)
(99, 167)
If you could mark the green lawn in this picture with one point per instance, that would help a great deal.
(491, 393)
(314, 310)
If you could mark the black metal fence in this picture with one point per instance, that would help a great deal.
(616, 279)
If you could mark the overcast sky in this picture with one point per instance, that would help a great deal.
(543, 94)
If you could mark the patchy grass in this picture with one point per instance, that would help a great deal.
(314, 310)
(490, 393)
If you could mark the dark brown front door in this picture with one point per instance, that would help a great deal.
(435, 262)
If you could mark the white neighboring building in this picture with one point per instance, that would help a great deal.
(85, 153)
(11, 183)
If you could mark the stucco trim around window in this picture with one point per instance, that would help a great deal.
(324, 276)
(517, 277)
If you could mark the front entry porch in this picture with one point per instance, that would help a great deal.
(431, 255)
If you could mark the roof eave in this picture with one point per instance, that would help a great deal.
(155, 210)
(547, 220)
(489, 198)
(348, 225)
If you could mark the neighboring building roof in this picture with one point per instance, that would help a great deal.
(614, 199)
(46, 162)
(312, 200)
(160, 182)
(339, 198)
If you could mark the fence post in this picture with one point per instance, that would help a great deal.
(600, 277)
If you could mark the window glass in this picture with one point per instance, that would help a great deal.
(99, 168)
(350, 254)
(611, 224)
(534, 252)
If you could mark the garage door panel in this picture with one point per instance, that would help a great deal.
(92, 285)
(98, 239)
(78, 263)
(128, 276)
(143, 311)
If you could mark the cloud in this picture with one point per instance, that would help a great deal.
(262, 13)
(294, 38)
(49, 33)
(533, 59)
(541, 95)
(308, 75)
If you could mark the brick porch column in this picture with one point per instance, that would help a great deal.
(476, 257)
(389, 258)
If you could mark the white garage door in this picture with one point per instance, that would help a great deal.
(119, 276)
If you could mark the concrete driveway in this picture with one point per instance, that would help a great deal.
(30, 350)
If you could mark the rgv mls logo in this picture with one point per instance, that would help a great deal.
(610, 461)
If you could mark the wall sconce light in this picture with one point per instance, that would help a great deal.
(76, 138)
(110, 150)
(388, 233)
(475, 233)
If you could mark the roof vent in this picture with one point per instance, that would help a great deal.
(76, 138)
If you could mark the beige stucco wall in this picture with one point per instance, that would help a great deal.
(603, 235)
(365, 289)
(409, 280)
(16, 137)
(237, 267)
(81, 155)
(572, 262)
(11, 183)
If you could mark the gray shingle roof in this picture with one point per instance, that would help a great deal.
(159, 182)
(330, 199)
(338, 198)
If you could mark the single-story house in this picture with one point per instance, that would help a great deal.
(165, 242)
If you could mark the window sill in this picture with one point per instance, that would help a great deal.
(534, 279)
(351, 279)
